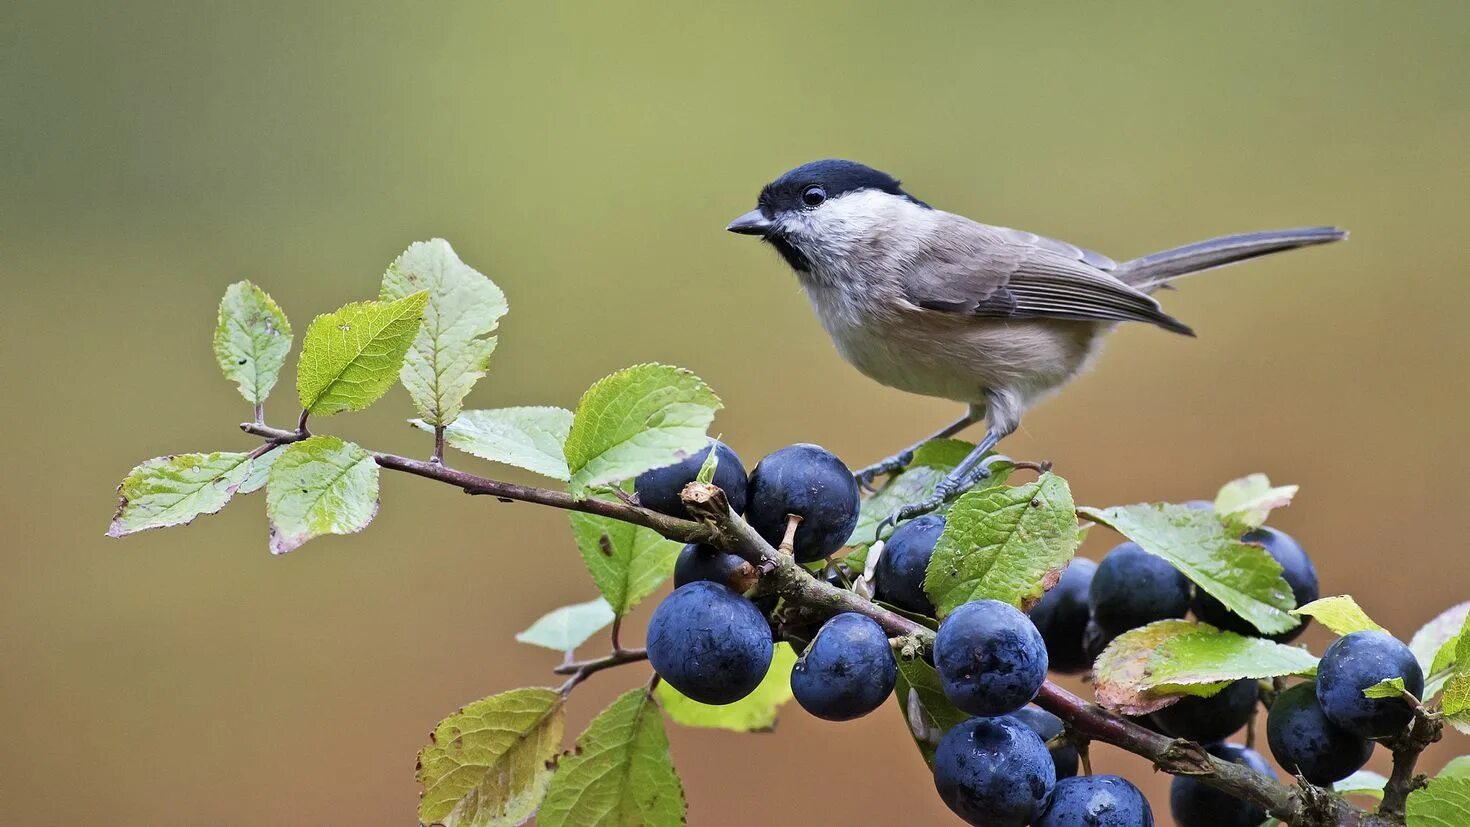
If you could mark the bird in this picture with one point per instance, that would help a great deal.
(934, 303)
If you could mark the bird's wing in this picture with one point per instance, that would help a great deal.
(993, 272)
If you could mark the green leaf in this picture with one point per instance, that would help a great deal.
(1146, 669)
(755, 712)
(491, 762)
(627, 562)
(351, 357)
(1443, 802)
(927, 711)
(1362, 782)
(1457, 698)
(642, 417)
(565, 629)
(170, 491)
(318, 486)
(529, 438)
(260, 471)
(1243, 576)
(1249, 500)
(1457, 767)
(1433, 636)
(1341, 614)
(707, 468)
(251, 340)
(1387, 688)
(1001, 543)
(620, 772)
(454, 344)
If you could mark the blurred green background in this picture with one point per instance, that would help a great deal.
(587, 158)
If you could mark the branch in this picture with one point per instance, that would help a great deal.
(1424, 731)
(581, 670)
(1302, 806)
(671, 527)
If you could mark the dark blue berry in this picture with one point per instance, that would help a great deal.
(1097, 801)
(1061, 616)
(659, 488)
(1296, 569)
(709, 643)
(990, 659)
(1048, 726)
(899, 575)
(847, 671)
(1309, 745)
(1132, 588)
(812, 483)
(1357, 661)
(697, 562)
(1207, 720)
(993, 772)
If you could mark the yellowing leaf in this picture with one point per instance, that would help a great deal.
(1341, 614)
(1146, 669)
(453, 345)
(251, 340)
(351, 357)
(170, 491)
(491, 762)
(753, 713)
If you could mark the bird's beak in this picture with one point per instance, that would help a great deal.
(752, 223)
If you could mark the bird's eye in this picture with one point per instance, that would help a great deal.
(813, 196)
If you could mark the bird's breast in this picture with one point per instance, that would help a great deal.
(951, 356)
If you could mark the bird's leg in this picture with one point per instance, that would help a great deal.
(1002, 416)
(901, 460)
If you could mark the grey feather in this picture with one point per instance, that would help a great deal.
(1000, 273)
(1155, 270)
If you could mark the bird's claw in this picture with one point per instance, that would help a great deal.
(865, 476)
(948, 489)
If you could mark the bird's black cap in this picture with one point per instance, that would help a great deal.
(836, 177)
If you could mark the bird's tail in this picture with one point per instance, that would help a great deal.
(1157, 269)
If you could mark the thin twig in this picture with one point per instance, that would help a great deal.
(670, 527)
(582, 670)
(438, 457)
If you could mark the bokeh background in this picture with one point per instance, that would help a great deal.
(587, 156)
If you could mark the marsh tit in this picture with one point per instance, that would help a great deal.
(933, 303)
